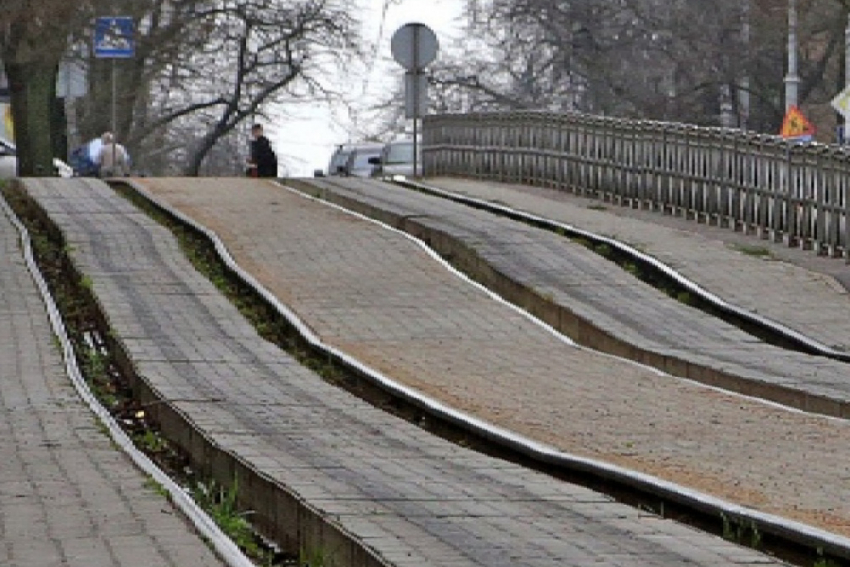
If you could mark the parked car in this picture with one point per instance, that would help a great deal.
(358, 163)
(338, 159)
(9, 162)
(396, 159)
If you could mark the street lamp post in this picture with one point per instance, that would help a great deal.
(847, 74)
(792, 79)
(744, 88)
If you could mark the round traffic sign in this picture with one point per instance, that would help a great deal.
(414, 46)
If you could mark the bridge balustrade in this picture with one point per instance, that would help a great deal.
(779, 190)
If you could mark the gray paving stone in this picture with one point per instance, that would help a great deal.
(621, 305)
(813, 297)
(494, 364)
(67, 496)
(329, 448)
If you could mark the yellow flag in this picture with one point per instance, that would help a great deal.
(7, 127)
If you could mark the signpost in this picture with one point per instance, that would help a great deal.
(414, 46)
(114, 38)
(841, 104)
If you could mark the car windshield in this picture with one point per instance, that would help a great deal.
(400, 153)
(361, 159)
(339, 159)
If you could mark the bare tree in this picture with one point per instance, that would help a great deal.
(33, 39)
(684, 60)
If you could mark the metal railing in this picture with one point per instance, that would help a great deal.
(790, 192)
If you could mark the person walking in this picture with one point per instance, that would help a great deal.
(113, 159)
(263, 161)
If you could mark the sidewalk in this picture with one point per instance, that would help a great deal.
(68, 497)
(410, 498)
(377, 296)
(794, 287)
(596, 302)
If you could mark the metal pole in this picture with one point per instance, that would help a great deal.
(727, 118)
(416, 72)
(70, 122)
(744, 92)
(114, 115)
(792, 79)
(847, 75)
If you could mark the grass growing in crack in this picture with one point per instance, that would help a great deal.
(314, 557)
(743, 532)
(603, 250)
(153, 485)
(222, 506)
(94, 366)
(823, 561)
(750, 250)
(685, 297)
(632, 268)
(150, 441)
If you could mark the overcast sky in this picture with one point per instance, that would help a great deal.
(304, 142)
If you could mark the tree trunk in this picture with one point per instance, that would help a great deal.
(196, 159)
(224, 126)
(33, 89)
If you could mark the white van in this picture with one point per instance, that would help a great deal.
(396, 159)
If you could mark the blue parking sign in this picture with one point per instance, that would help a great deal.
(113, 37)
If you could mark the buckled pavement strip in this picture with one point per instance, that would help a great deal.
(405, 496)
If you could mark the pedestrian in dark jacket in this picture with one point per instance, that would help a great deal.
(263, 161)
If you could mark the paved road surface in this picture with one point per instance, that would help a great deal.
(595, 290)
(378, 296)
(795, 287)
(412, 498)
(68, 497)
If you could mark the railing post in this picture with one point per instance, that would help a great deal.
(792, 192)
(841, 205)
